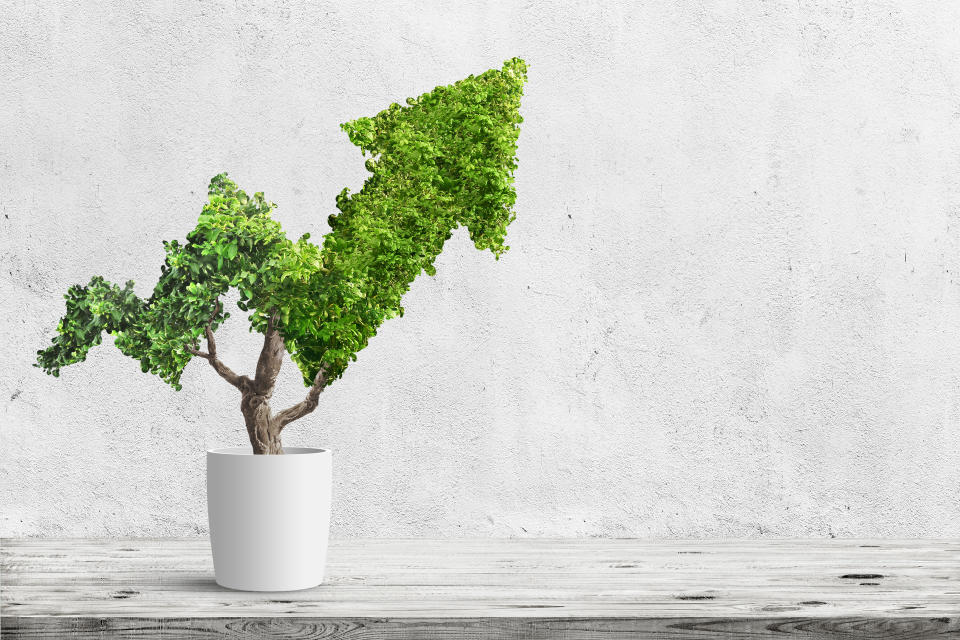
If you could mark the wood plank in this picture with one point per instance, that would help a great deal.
(493, 588)
(481, 628)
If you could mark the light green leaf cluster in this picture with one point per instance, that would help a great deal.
(444, 160)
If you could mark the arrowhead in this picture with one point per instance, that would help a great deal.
(454, 147)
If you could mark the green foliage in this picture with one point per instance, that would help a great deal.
(235, 244)
(444, 160)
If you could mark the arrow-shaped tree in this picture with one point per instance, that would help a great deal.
(444, 160)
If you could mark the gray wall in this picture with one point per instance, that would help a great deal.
(730, 309)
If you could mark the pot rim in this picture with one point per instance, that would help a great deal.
(247, 451)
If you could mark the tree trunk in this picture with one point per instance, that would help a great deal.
(262, 426)
(263, 429)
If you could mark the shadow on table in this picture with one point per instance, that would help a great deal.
(194, 583)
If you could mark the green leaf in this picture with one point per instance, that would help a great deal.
(443, 160)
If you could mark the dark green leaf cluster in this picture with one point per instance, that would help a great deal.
(91, 310)
(444, 160)
(235, 244)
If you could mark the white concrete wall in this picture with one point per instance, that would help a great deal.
(731, 307)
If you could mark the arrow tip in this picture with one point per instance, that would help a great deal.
(458, 144)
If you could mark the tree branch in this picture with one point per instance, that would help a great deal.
(308, 404)
(197, 352)
(240, 382)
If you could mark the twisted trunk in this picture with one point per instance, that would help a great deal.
(263, 427)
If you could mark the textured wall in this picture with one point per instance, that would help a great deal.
(731, 307)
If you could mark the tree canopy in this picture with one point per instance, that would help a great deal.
(443, 160)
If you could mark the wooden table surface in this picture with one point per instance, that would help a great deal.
(493, 588)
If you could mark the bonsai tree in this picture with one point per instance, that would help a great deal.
(444, 160)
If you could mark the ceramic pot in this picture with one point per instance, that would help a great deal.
(269, 517)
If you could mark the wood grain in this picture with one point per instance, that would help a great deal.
(493, 588)
(479, 628)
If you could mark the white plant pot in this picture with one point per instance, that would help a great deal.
(269, 517)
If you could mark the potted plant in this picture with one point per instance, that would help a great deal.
(445, 159)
